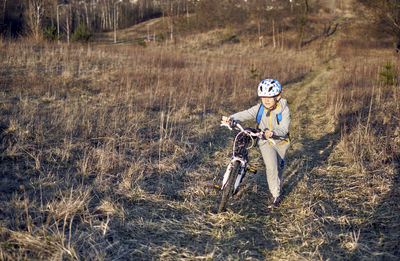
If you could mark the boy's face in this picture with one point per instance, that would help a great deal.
(270, 102)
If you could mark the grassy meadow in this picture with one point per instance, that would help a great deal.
(111, 153)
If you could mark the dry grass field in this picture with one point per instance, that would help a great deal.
(111, 153)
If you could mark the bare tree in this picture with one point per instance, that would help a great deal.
(302, 11)
(258, 14)
(97, 15)
(67, 26)
(34, 16)
(86, 8)
(3, 13)
(385, 15)
(171, 9)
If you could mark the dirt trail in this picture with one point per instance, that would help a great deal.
(133, 33)
(327, 210)
(310, 222)
(313, 140)
(320, 213)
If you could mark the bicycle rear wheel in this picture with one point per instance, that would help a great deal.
(228, 190)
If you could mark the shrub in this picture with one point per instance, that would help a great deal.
(160, 38)
(230, 38)
(81, 34)
(253, 72)
(388, 75)
(219, 13)
(50, 33)
(141, 42)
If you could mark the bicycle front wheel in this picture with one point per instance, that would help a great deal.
(228, 190)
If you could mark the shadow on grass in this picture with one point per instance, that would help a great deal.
(170, 184)
(247, 234)
(379, 238)
(314, 153)
(350, 229)
(166, 227)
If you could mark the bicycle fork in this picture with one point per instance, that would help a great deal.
(229, 172)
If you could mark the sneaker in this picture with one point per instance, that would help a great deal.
(275, 202)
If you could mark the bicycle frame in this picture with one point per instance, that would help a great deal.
(238, 157)
(236, 169)
(237, 165)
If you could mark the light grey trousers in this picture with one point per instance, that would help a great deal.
(274, 160)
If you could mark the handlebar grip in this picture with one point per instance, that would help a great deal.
(232, 123)
(276, 137)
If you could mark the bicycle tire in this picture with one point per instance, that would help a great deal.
(228, 190)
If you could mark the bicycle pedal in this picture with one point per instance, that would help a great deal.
(254, 171)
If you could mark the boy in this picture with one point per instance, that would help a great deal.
(275, 120)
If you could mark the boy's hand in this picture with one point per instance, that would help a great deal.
(268, 134)
(228, 121)
(225, 120)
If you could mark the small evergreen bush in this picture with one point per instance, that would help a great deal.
(160, 38)
(388, 76)
(50, 33)
(141, 42)
(253, 72)
(81, 34)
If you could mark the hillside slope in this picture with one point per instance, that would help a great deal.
(112, 153)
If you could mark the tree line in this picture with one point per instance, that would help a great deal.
(31, 17)
(38, 17)
(385, 18)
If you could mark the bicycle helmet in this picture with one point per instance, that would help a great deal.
(269, 88)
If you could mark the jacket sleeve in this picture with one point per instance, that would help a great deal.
(246, 115)
(283, 127)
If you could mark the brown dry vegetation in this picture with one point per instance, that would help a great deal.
(111, 153)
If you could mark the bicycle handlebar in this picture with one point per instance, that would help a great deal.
(239, 127)
(236, 125)
(259, 135)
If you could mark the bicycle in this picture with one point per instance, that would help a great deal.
(237, 167)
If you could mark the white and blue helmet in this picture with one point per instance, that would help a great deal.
(269, 88)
